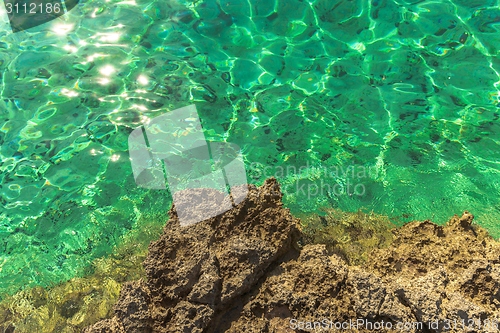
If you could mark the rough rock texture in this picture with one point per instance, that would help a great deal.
(195, 272)
(243, 272)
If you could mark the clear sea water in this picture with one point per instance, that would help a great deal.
(386, 106)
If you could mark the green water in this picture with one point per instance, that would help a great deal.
(390, 106)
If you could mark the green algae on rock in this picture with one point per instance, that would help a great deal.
(350, 235)
(69, 306)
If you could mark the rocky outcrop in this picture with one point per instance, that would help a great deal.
(243, 271)
(196, 272)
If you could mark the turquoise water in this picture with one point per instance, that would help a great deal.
(390, 106)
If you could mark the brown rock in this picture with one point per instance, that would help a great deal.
(197, 271)
(132, 308)
(243, 272)
(106, 326)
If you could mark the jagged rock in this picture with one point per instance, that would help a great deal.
(194, 272)
(305, 288)
(132, 309)
(444, 274)
(243, 271)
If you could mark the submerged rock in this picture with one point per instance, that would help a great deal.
(243, 271)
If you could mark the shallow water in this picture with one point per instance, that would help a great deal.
(390, 106)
